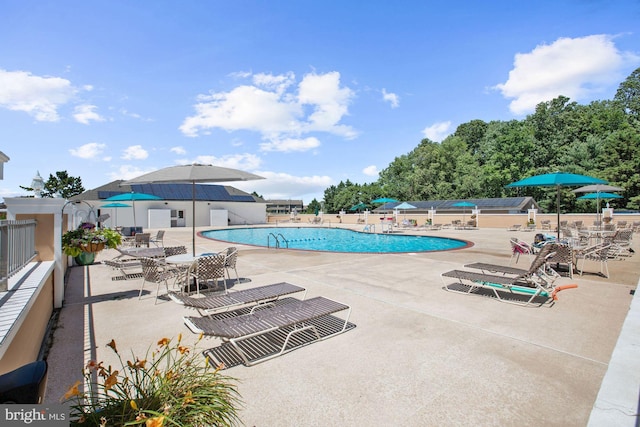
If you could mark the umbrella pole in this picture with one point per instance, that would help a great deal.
(193, 217)
(558, 208)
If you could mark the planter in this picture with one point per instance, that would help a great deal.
(93, 247)
(85, 258)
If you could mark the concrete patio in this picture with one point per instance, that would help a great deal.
(418, 356)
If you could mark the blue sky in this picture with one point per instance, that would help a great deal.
(304, 93)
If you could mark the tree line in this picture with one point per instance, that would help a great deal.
(601, 139)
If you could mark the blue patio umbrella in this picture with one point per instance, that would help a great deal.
(384, 201)
(598, 196)
(404, 206)
(116, 205)
(132, 197)
(556, 179)
(464, 205)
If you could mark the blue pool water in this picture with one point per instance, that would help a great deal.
(333, 240)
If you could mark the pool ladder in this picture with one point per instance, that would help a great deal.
(277, 239)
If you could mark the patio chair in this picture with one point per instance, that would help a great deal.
(621, 243)
(545, 272)
(562, 255)
(142, 239)
(293, 318)
(158, 239)
(599, 252)
(231, 261)
(545, 224)
(529, 287)
(207, 271)
(210, 304)
(519, 247)
(154, 271)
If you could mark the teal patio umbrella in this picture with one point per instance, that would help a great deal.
(464, 206)
(132, 197)
(556, 179)
(599, 196)
(384, 201)
(404, 206)
(116, 205)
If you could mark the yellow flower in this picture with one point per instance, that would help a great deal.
(112, 344)
(180, 337)
(183, 349)
(73, 391)
(163, 342)
(155, 422)
(111, 381)
(134, 405)
(188, 398)
(138, 365)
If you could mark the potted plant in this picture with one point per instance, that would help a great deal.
(87, 239)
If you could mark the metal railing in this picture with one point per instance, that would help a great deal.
(17, 247)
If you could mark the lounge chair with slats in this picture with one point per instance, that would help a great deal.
(522, 289)
(294, 317)
(222, 302)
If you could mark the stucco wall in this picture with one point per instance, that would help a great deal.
(24, 348)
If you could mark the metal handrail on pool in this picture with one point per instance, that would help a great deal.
(277, 238)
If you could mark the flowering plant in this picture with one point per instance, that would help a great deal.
(74, 242)
(173, 385)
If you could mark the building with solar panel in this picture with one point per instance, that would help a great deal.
(215, 205)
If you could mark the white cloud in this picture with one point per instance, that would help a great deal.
(273, 108)
(286, 186)
(85, 113)
(437, 131)
(246, 161)
(135, 152)
(371, 170)
(330, 103)
(291, 144)
(178, 150)
(279, 83)
(126, 172)
(88, 151)
(245, 107)
(390, 97)
(38, 96)
(574, 67)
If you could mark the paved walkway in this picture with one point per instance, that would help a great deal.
(418, 356)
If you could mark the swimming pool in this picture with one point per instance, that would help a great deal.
(333, 240)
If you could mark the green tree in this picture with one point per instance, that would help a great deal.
(62, 184)
(313, 207)
(628, 95)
